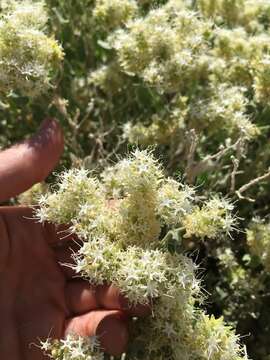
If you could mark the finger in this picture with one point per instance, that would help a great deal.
(110, 297)
(29, 162)
(109, 326)
(83, 297)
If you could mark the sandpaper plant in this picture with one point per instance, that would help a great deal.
(28, 56)
(123, 218)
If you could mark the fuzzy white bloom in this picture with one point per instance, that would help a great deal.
(32, 195)
(28, 57)
(109, 78)
(224, 107)
(169, 42)
(73, 348)
(258, 239)
(75, 189)
(122, 246)
(213, 219)
(235, 12)
(141, 172)
(160, 128)
(174, 201)
(262, 80)
(113, 13)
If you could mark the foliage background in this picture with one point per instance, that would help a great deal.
(95, 95)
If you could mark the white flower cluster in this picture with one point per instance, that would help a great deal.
(211, 220)
(161, 127)
(158, 132)
(28, 57)
(258, 239)
(212, 53)
(75, 190)
(113, 13)
(108, 78)
(235, 12)
(262, 80)
(174, 201)
(170, 42)
(121, 218)
(224, 107)
(32, 195)
(73, 348)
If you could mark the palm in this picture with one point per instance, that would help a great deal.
(34, 284)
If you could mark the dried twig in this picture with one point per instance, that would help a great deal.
(193, 142)
(209, 162)
(250, 184)
(233, 174)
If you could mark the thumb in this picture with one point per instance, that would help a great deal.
(29, 162)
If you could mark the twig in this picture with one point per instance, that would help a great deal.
(176, 151)
(250, 184)
(191, 153)
(209, 162)
(233, 174)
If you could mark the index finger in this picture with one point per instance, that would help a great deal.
(83, 297)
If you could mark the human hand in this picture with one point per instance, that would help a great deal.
(39, 297)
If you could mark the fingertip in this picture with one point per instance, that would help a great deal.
(112, 331)
(46, 147)
(109, 326)
(110, 297)
(31, 161)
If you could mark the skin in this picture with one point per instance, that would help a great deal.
(40, 297)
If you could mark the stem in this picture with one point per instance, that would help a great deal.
(250, 184)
